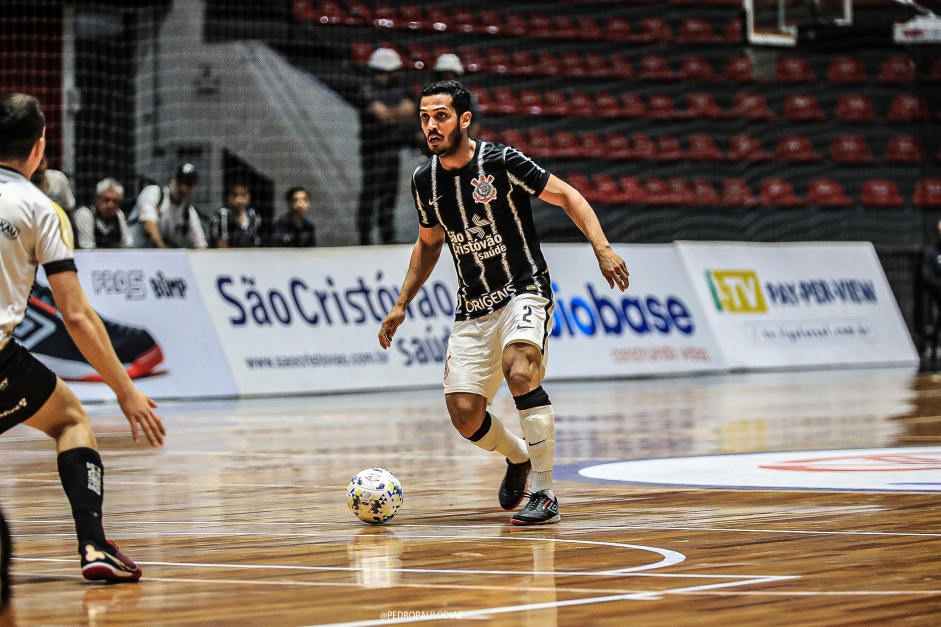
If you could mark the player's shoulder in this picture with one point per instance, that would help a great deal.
(423, 172)
(17, 188)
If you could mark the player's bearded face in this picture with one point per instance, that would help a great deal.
(448, 144)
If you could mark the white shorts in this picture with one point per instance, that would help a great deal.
(475, 348)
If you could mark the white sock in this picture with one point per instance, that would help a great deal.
(542, 481)
(498, 438)
(539, 428)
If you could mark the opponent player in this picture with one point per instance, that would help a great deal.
(474, 195)
(33, 231)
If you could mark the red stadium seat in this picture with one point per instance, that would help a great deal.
(514, 25)
(471, 59)
(655, 68)
(658, 194)
(881, 194)
(581, 184)
(655, 30)
(846, 71)
(360, 52)
(797, 149)
(587, 29)
(581, 104)
(803, 108)
(556, 103)
(696, 68)
(696, 31)
(516, 139)
(621, 67)
(540, 26)
(908, 108)
(776, 192)
(668, 148)
(564, 27)
(485, 103)
(704, 194)
(486, 135)
(505, 102)
(358, 14)
(463, 20)
(732, 33)
(617, 147)
(642, 147)
(827, 193)
(739, 69)
(904, 150)
(597, 66)
(416, 57)
(850, 150)
(590, 146)
(547, 64)
(928, 193)
(661, 107)
(522, 62)
(855, 108)
(412, 18)
(794, 70)
(539, 144)
(303, 11)
(606, 105)
(606, 190)
(437, 19)
(751, 106)
(632, 106)
(572, 64)
(618, 29)
(565, 145)
(531, 103)
(632, 192)
(744, 147)
(489, 22)
(897, 70)
(385, 16)
(703, 148)
(680, 193)
(327, 12)
(737, 194)
(703, 106)
(497, 61)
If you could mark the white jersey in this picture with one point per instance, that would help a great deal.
(179, 224)
(34, 231)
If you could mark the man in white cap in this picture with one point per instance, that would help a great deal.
(386, 118)
(448, 67)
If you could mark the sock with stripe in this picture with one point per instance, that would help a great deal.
(494, 436)
(538, 422)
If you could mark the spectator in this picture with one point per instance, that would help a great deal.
(55, 185)
(236, 225)
(103, 225)
(386, 117)
(294, 229)
(163, 216)
(931, 282)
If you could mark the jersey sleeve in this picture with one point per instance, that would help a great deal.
(426, 213)
(524, 172)
(54, 238)
(146, 209)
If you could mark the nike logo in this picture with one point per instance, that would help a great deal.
(535, 443)
(436, 199)
(522, 327)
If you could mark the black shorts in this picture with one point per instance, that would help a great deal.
(6, 550)
(25, 385)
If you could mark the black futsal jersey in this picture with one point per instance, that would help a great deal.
(485, 210)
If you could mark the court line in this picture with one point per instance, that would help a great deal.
(564, 527)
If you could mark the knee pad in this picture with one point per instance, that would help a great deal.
(539, 428)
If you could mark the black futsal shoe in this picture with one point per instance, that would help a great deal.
(541, 510)
(107, 563)
(514, 484)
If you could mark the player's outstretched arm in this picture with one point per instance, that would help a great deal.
(424, 257)
(560, 193)
(90, 336)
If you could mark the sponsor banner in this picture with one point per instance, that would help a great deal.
(299, 321)
(912, 469)
(791, 305)
(656, 327)
(150, 304)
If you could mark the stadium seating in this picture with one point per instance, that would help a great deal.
(846, 71)
(797, 149)
(704, 194)
(751, 106)
(803, 108)
(703, 106)
(928, 193)
(794, 70)
(827, 193)
(855, 108)
(904, 150)
(737, 194)
(881, 193)
(851, 150)
(743, 147)
(777, 192)
(703, 147)
(908, 108)
(897, 70)
(696, 68)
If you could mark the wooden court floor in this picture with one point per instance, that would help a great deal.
(241, 519)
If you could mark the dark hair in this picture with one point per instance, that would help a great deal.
(289, 195)
(460, 97)
(237, 183)
(21, 125)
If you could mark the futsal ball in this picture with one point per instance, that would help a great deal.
(374, 495)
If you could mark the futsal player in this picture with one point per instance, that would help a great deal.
(33, 231)
(475, 196)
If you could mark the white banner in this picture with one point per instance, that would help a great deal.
(300, 321)
(791, 305)
(656, 327)
(151, 307)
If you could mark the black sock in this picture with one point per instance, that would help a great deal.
(82, 474)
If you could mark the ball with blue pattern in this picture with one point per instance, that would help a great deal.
(374, 495)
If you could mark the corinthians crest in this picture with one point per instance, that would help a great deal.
(484, 191)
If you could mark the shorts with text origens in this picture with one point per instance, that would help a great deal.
(475, 348)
